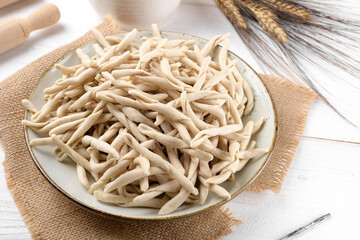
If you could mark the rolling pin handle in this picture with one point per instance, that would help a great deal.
(45, 16)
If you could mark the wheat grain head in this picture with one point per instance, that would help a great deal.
(229, 8)
(288, 7)
(265, 17)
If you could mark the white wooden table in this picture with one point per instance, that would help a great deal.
(325, 174)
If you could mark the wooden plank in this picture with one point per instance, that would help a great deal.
(323, 178)
(325, 123)
(12, 225)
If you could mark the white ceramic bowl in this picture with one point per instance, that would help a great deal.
(63, 174)
(136, 13)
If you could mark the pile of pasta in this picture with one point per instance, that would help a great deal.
(155, 125)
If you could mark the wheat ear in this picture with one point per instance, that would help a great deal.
(265, 17)
(229, 8)
(290, 8)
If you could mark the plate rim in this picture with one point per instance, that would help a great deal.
(160, 218)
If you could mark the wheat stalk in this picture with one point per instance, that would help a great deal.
(313, 41)
(285, 6)
(259, 7)
(265, 17)
(229, 8)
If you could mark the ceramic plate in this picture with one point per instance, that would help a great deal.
(62, 175)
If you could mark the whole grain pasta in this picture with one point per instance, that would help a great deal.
(157, 125)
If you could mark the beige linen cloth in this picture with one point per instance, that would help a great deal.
(50, 215)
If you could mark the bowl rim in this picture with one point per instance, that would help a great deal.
(160, 218)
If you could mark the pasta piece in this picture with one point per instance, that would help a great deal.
(29, 106)
(41, 142)
(82, 175)
(100, 38)
(100, 145)
(131, 141)
(71, 152)
(85, 60)
(205, 134)
(110, 198)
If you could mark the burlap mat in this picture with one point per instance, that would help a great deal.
(50, 215)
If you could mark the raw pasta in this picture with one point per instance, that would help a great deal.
(156, 125)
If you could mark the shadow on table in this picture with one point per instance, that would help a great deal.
(31, 42)
(12, 10)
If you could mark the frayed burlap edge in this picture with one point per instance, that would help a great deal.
(17, 196)
(274, 173)
(229, 220)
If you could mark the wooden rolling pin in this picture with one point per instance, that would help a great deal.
(4, 3)
(14, 31)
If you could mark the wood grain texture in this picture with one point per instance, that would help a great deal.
(4, 3)
(11, 223)
(42, 17)
(14, 31)
(324, 176)
(12, 34)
